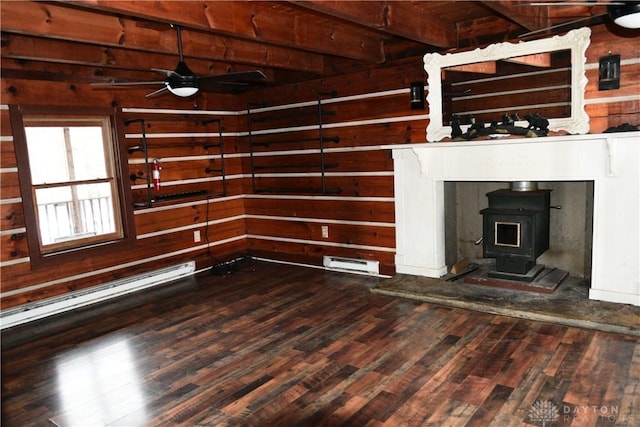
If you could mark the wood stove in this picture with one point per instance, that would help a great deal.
(516, 230)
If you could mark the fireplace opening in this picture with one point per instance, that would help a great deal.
(570, 237)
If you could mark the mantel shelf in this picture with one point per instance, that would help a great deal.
(506, 141)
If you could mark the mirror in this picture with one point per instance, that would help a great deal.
(544, 77)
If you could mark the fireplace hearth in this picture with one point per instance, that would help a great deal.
(516, 230)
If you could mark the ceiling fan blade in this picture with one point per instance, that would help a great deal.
(241, 76)
(245, 75)
(222, 87)
(127, 83)
(166, 73)
(157, 92)
(234, 81)
(581, 22)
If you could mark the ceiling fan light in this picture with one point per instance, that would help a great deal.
(184, 91)
(627, 15)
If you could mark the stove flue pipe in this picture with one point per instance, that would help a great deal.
(524, 186)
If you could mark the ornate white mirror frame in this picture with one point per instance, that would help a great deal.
(576, 41)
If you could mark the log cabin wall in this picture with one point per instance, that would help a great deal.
(271, 211)
(613, 108)
(370, 110)
(185, 137)
(291, 198)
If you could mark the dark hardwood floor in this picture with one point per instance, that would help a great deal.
(273, 344)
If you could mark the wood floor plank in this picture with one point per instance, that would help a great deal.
(279, 345)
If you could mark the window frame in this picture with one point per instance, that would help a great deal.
(123, 204)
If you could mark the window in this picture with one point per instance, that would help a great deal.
(69, 167)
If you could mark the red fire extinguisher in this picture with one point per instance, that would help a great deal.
(155, 174)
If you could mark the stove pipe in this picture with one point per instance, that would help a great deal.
(524, 186)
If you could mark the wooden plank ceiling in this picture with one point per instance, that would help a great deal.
(290, 41)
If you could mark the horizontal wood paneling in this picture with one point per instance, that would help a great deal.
(603, 116)
(604, 108)
(369, 110)
(7, 155)
(12, 215)
(160, 218)
(605, 42)
(365, 186)
(402, 129)
(334, 208)
(335, 161)
(14, 246)
(366, 234)
(312, 252)
(10, 184)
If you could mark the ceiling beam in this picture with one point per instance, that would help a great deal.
(24, 48)
(522, 13)
(74, 24)
(28, 48)
(487, 30)
(399, 18)
(274, 23)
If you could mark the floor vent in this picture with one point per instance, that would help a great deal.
(60, 304)
(352, 265)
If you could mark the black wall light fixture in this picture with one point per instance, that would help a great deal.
(609, 76)
(417, 95)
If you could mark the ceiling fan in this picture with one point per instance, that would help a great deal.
(623, 13)
(184, 83)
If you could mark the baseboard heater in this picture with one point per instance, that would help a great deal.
(69, 301)
(351, 265)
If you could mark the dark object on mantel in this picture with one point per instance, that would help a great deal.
(538, 126)
(625, 127)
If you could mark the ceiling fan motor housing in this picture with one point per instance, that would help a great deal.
(182, 82)
(626, 15)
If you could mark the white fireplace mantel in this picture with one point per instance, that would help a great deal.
(611, 161)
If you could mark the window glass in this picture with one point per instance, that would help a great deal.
(80, 153)
(73, 183)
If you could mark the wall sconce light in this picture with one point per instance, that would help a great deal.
(417, 95)
(609, 77)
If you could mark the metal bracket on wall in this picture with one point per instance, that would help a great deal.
(321, 139)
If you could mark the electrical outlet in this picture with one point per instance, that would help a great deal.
(196, 236)
(325, 231)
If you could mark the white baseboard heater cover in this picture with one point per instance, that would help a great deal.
(60, 304)
(351, 265)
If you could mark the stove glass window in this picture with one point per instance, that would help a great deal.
(507, 234)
